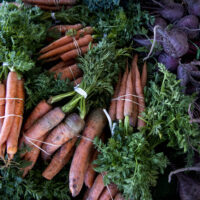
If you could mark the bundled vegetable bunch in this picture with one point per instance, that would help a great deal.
(52, 5)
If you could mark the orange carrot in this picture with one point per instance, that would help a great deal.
(144, 76)
(94, 126)
(97, 188)
(43, 125)
(83, 41)
(12, 141)
(74, 53)
(60, 159)
(112, 109)
(61, 65)
(2, 103)
(11, 88)
(40, 110)
(50, 8)
(140, 94)
(32, 155)
(72, 72)
(2, 151)
(51, 2)
(57, 57)
(77, 81)
(108, 194)
(119, 197)
(134, 117)
(122, 91)
(67, 39)
(64, 28)
(70, 128)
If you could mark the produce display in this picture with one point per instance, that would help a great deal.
(99, 99)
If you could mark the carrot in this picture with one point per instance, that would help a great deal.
(83, 41)
(144, 76)
(112, 109)
(62, 64)
(2, 151)
(32, 155)
(97, 188)
(2, 103)
(60, 159)
(70, 128)
(40, 110)
(140, 94)
(77, 81)
(134, 117)
(64, 28)
(86, 194)
(122, 91)
(109, 194)
(51, 8)
(11, 88)
(72, 72)
(119, 197)
(67, 39)
(57, 57)
(74, 53)
(94, 126)
(12, 141)
(44, 124)
(51, 2)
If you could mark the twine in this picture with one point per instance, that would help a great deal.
(80, 91)
(53, 16)
(109, 119)
(5, 64)
(77, 46)
(9, 98)
(108, 189)
(11, 115)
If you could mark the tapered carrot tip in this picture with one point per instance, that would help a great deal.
(73, 189)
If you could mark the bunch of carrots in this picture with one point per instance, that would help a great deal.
(51, 5)
(11, 113)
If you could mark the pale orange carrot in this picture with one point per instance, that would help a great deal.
(113, 105)
(2, 151)
(122, 92)
(119, 197)
(60, 159)
(77, 81)
(97, 188)
(11, 90)
(64, 28)
(71, 72)
(144, 76)
(81, 42)
(12, 141)
(94, 127)
(57, 57)
(61, 65)
(67, 39)
(62, 133)
(109, 192)
(40, 110)
(2, 103)
(51, 2)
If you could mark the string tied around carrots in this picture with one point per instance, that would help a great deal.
(11, 115)
(5, 64)
(53, 16)
(108, 189)
(9, 98)
(80, 91)
(77, 46)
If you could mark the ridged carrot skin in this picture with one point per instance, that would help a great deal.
(2, 103)
(64, 28)
(109, 194)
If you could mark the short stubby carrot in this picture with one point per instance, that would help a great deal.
(62, 133)
(109, 192)
(122, 91)
(40, 110)
(12, 141)
(71, 72)
(97, 188)
(60, 159)
(67, 39)
(11, 90)
(83, 41)
(2, 103)
(64, 28)
(94, 126)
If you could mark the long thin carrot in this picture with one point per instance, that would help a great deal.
(12, 141)
(71, 72)
(113, 105)
(140, 94)
(64, 28)
(144, 76)
(119, 197)
(122, 91)
(97, 188)
(67, 39)
(62, 133)
(74, 53)
(60, 159)
(57, 57)
(2, 103)
(134, 117)
(40, 110)
(82, 41)
(61, 65)
(51, 2)
(49, 8)
(11, 90)
(109, 192)
(43, 125)
(94, 126)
